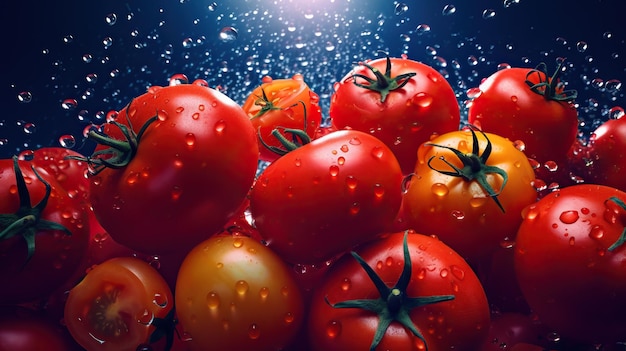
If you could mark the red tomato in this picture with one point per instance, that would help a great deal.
(402, 292)
(233, 293)
(327, 196)
(527, 105)
(43, 232)
(186, 160)
(469, 191)
(282, 104)
(400, 101)
(569, 260)
(606, 159)
(24, 330)
(120, 304)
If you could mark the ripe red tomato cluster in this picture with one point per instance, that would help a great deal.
(394, 227)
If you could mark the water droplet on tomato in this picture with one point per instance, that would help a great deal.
(341, 160)
(572, 241)
(596, 232)
(264, 292)
(333, 328)
(212, 300)
(176, 192)
(456, 214)
(355, 208)
(520, 146)
(346, 284)
(444, 272)
(478, 201)
(378, 152)
(160, 300)
(551, 166)
(237, 242)
(289, 318)
(355, 141)
(473, 93)
(514, 98)
(162, 115)
(132, 178)
(190, 139)
(439, 189)
(379, 191)
(351, 182)
(507, 243)
(569, 217)
(433, 77)
(219, 265)
(344, 148)
(220, 126)
(253, 331)
(421, 274)
(422, 99)
(241, 287)
(539, 184)
(457, 272)
(297, 162)
(334, 170)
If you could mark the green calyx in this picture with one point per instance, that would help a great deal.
(551, 89)
(393, 303)
(27, 221)
(266, 105)
(622, 238)
(384, 82)
(119, 152)
(299, 137)
(474, 166)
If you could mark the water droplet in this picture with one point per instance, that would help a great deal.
(572, 241)
(457, 272)
(132, 178)
(145, 318)
(333, 328)
(341, 160)
(439, 189)
(346, 284)
(241, 287)
(581, 46)
(401, 8)
(444, 272)
(378, 152)
(264, 292)
(333, 170)
(67, 141)
(422, 29)
(289, 318)
(212, 300)
(569, 217)
(25, 97)
(253, 331)
(160, 300)
(297, 162)
(220, 126)
(456, 214)
(190, 139)
(422, 99)
(355, 208)
(351, 182)
(379, 191)
(507, 243)
(355, 141)
(489, 13)
(596, 232)
(473, 93)
(237, 242)
(228, 34)
(448, 10)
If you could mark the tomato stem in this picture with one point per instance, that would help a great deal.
(266, 105)
(622, 239)
(120, 152)
(393, 304)
(299, 137)
(384, 83)
(27, 221)
(551, 88)
(474, 166)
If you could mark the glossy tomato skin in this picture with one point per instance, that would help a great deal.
(408, 117)
(459, 324)
(290, 104)
(564, 267)
(116, 305)
(234, 293)
(508, 107)
(56, 254)
(327, 196)
(459, 211)
(606, 160)
(193, 168)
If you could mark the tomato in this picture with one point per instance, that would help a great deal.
(469, 191)
(234, 293)
(527, 105)
(43, 232)
(180, 162)
(569, 261)
(24, 330)
(280, 104)
(400, 101)
(509, 329)
(327, 196)
(606, 160)
(406, 291)
(120, 304)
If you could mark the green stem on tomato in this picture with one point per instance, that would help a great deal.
(384, 82)
(622, 238)
(299, 137)
(550, 86)
(393, 303)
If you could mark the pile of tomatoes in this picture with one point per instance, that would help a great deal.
(396, 226)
